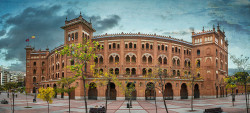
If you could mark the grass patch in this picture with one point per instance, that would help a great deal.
(28, 107)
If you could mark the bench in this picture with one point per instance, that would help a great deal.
(213, 110)
(97, 110)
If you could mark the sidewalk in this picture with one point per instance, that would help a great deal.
(139, 106)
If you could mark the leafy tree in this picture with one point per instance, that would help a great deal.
(231, 83)
(46, 95)
(242, 64)
(81, 55)
(11, 87)
(66, 87)
(105, 79)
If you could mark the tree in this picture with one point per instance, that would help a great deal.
(46, 95)
(11, 87)
(66, 87)
(81, 55)
(231, 83)
(242, 64)
(105, 79)
(158, 76)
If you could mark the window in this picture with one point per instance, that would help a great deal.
(142, 46)
(110, 59)
(198, 63)
(126, 45)
(101, 60)
(62, 74)
(72, 36)
(198, 52)
(184, 51)
(72, 62)
(185, 63)
(176, 49)
(109, 46)
(34, 63)
(63, 65)
(174, 62)
(102, 47)
(133, 71)
(127, 58)
(174, 73)
(96, 60)
(178, 73)
(144, 71)
(114, 45)
(150, 71)
(159, 47)
(68, 37)
(162, 47)
(150, 60)
(133, 59)
(116, 71)
(165, 61)
(179, 51)
(34, 71)
(130, 45)
(111, 70)
(134, 45)
(116, 59)
(166, 48)
(118, 46)
(127, 71)
(172, 49)
(178, 62)
(43, 63)
(151, 46)
(147, 46)
(216, 52)
(76, 35)
(160, 60)
(144, 59)
(34, 79)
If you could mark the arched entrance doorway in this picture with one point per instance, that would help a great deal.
(92, 92)
(184, 92)
(54, 86)
(112, 92)
(168, 92)
(150, 91)
(196, 91)
(131, 93)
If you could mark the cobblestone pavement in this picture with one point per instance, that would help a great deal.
(139, 106)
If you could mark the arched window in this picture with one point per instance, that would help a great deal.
(116, 71)
(178, 62)
(72, 36)
(176, 49)
(111, 70)
(34, 71)
(76, 35)
(126, 45)
(159, 47)
(198, 63)
(174, 62)
(165, 61)
(34, 79)
(101, 60)
(134, 45)
(151, 46)
(69, 37)
(34, 63)
(62, 74)
(174, 72)
(111, 59)
(133, 58)
(144, 71)
(144, 59)
(63, 65)
(42, 78)
(109, 46)
(118, 46)
(101, 71)
(127, 71)
(133, 71)
(178, 73)
(127, 58)
(43, 63)
(150, 60)
(116, 59)
(189, 64)
(166, 48)
(150, 71)
(96, 60)
(142, 46)
(114, 45)
(185, 63)
(160, 60)
(130, 45)
(198, 52)
(162, 47)
(147, 46)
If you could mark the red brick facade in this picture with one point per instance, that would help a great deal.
(136, 54)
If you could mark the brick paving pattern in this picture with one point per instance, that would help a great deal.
(139, 106)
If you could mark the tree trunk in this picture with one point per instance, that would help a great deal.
(163, 96)
(233, 96)
(129, 105)
(155, 102)
(85, 99)
(69, 101)
(192, 97)
(13, 102)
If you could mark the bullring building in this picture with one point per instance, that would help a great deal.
(135, 54)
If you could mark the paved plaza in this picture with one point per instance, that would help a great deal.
(139, 106)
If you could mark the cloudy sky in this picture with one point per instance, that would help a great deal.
(20, 19)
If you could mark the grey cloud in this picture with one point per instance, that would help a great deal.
(44, 22)
(176, 33)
